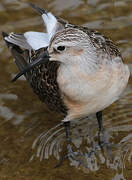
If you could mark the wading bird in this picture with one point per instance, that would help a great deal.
(73, 69)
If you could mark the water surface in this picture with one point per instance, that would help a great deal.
(26, 152)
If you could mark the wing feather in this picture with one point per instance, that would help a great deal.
(29, 40)
(37, 39)
(19, 40)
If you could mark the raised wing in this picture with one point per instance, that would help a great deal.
(36, 40)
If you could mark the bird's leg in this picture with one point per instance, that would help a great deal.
(101, 129)
(70, 154)
(100, 120)
(67, 129)
(103, 141)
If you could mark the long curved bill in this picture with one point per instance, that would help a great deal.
(42, 59)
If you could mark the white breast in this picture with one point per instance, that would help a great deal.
(89, 93)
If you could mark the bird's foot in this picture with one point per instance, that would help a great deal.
(104, 143)
(72, 155)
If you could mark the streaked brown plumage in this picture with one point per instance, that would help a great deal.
(43, 80)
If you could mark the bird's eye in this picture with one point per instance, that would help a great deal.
(61, 48)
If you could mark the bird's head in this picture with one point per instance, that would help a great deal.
(69, 46)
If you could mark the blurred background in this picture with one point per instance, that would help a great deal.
(25, 152)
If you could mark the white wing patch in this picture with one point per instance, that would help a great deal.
(50, 22)
(37, 39)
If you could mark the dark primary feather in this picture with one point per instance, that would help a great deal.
(37, 8)
(43, 11)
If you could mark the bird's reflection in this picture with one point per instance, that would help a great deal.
(94, 150)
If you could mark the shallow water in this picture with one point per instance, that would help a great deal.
(27, 150)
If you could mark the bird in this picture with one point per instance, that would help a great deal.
(74, 70)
